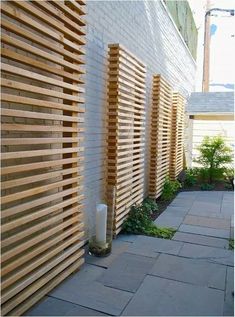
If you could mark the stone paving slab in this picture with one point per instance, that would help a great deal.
(202, 213)
(126, 237)
(202, 240)
(127, 272)
(229, 299)
(190, 271)
(149, 246)
(188, 195)
(176, 211)
(207, 222)
(162, 297)
(50, 306)
(118, 247)
(182, 202)
(212, 197)
(210, 254)
(227, 208)
(169, 221)
(83, 289)
(218, 233)
(204, 206)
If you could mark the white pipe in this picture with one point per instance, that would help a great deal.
(101, 223)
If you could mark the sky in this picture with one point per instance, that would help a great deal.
(222, 46)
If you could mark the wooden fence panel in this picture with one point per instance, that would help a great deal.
(42, 153)
(160, 135)
(126, 117)
(177, 136)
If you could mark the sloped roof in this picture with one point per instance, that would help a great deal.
(210, 102)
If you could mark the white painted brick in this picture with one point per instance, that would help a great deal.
(146, 30)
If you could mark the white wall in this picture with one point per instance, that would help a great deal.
(145, 29)
(202, 128)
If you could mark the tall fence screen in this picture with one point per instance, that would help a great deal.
(42, 125)
(160, 139)
(177, 135)
(126, 136)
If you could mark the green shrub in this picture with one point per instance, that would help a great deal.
(207, 186)
(214, 154)
(170, 188)
(190, 177)
(229, 176)
(139, 221)
(150, 204)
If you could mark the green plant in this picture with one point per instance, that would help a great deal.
(139, 221)
(207, 186)
(231, 244)
(214, 154)
(169, 189)
(150, 204)
(190, 177)
(229, 176)
(164, 233)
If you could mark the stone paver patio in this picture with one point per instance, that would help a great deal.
(190, 275)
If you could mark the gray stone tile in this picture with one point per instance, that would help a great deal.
(127, 237)
(83, 289)
(162, 297)
(182, 202)
(207, 214)
(188, 195)
(219, 233)
(127, 272)
(218, 194)
(176, 211)
(229, 299)
(50, 306)
(227, 208)
(232, 233)
(212, 197)
(205, 206)
(207, 222)
(228, 196)
(202, 240)
(210, 254)
(118, 247)
(149, 246)
(168, 221)
(190, 271)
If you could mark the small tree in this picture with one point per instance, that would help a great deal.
(214, 154)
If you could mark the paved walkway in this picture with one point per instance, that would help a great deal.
(191, 275)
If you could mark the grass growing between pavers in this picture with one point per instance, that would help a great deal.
(139, 221)
(231, 244)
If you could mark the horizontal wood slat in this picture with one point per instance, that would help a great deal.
(161, 119)
(126, 117)
(177, 137)
(42, 148)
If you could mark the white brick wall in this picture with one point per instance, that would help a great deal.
(146, 30)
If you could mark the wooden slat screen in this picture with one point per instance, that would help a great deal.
(42, 153)
(126, 118)
(177, 136)
(160, 135)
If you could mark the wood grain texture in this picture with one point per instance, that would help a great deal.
(126, 138)
(160, 140)
(42, 148)
(177, 135)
